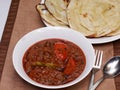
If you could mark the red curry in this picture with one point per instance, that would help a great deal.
(54, 62)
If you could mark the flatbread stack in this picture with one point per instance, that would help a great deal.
(93, 18)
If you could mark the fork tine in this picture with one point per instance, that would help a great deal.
(98, 60)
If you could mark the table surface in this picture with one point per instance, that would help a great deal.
(4, 44)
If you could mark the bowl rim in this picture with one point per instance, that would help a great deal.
(45, 29)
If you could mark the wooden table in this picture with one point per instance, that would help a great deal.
(4, 44)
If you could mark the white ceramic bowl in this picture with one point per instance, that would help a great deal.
(53, 32)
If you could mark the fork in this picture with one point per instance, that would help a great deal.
(97, 65)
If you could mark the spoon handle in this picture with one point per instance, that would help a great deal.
(97, 83)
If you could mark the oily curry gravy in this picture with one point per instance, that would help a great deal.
(54, 62)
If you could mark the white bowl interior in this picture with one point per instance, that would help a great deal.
(53, 32)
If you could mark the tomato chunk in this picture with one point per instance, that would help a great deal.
(60, 50)
(70, 67)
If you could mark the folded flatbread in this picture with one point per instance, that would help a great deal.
(97, 16)
(92, 18)
(47, 17)
(58, 9)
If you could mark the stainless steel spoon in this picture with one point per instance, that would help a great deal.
(111, 69)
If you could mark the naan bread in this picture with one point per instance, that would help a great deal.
(47, 17)
(93, 18)
(97, 16)
(116, 32)
(73, 15)
(58, 9)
